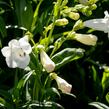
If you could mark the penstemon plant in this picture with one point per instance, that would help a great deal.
(36, 54)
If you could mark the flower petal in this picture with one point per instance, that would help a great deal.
(13, 43)
(6, 51)
(10, 62)
(25, 46)
(22, 61)
(97, 24)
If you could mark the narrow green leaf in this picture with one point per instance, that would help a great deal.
(24, 13)
(2, 28)
(2, 102)
(105, 80)
(97, 87)
(99, 105)
(6, 101)
(67, 55)
(23, 81)
(51, 91)
(107, 97)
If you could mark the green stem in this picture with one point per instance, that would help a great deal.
(16, 78)
(56, 15)
(37, 88)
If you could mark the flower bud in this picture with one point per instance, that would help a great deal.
(78, 25)
(93, 7)
(87, 39)
(73, 15)
(63, 85)
(83, 1)
(47, 63)
(61, 22)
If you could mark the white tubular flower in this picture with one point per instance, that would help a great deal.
(101, 24)
(63, 85)
(87, 39)
(47, 63)
(17, 53)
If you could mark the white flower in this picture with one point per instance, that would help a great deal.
(47, 63)
(63, 85)
(87, 39)
(17, 53)
(101, 24)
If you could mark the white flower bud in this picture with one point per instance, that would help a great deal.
(61, 22)
(73, 15)
(47, 63)
(63, 85)
(87, 39)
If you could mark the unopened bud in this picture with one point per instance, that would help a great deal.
(61, 22)
(63, 85)
(78, 25)
(86, 11)
(73, 15)
(83, 2)
(47, 63)
(93, 7)
(87, 39)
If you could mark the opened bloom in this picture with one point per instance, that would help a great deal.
(63, 85)
(47, 63)
(101, 24)
(87, 39)
(17, 53)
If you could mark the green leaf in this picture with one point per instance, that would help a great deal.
(105, 80)
(107, 97)
(58, 44)
(2, 28)
(51, 91)
(6, 101)
(23, 81)
(67, 55)
(43, 105)
(97, 87)
(35, 63)
(99, 105)
(21, 84)
(2, 102)
(24, 13)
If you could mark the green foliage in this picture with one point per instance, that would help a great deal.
(99, 105)
(105, 80)
(67, 55)
(86, 68)
(2, 28)
(24, 13)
